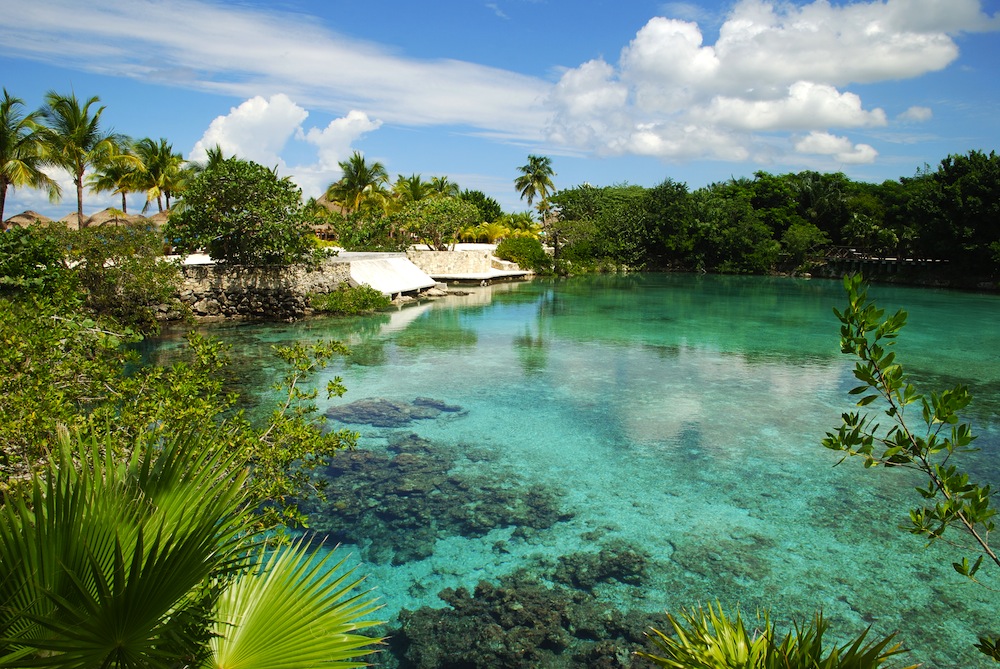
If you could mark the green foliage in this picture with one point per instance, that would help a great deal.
(712, 640)
(243, 213)
(141, 555)
(104, 563)
(349, 300)
(31, 259)
(436, 221)
(290, 614)
(801, 242)
(527, 252)
(123, 273)
(925, 442)
(62, 367)
(732, 239)
(489, 209)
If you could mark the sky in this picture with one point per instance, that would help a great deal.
(622, 92)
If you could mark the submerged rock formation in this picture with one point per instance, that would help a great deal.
(396, 505)
(520, 623)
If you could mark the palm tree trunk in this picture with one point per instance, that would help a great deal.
(79, 195)
(3, 201)
(124, 205)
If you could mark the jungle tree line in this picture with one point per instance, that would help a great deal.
(783, 222)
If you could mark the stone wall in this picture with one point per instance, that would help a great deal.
(444, 263)
(269, 293)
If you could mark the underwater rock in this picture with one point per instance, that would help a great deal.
(397, 505)
(519, 623)
(616, 561)
(382, 412)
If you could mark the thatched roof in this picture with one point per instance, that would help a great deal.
(111, 216)
(159, 219)
(26, 219)
(72, 221)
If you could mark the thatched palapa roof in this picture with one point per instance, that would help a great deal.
(111, 216)
(26, 219)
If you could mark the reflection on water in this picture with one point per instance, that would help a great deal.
(642, 442)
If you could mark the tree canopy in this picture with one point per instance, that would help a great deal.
(243, 213)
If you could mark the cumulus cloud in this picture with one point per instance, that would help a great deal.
(917, 114)
(840, 148)
(257, 130)
(775, 68)
(334, 142)
(260, 129)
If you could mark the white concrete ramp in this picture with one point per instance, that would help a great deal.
(390, 275)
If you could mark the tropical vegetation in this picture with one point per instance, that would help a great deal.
(242, 213)
(712, 640)
(21, 151)
(922, 434)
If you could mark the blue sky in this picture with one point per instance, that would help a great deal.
(614, 92)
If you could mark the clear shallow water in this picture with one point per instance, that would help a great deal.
(678, 415)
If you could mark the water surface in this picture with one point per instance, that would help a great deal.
(679, 416)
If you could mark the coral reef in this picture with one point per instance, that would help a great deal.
(397, 504)
(382, 412)
(616, 561)
(519, 623)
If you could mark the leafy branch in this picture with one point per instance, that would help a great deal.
(951, 499)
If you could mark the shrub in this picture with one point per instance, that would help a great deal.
(349, 301)
(711, 640)
(243, 213)
(527, 252)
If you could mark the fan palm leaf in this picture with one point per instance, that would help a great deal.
(289, 614)
(104, 564)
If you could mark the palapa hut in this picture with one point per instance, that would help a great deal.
(26, 219)
(159, 219)
(73, 221)
(111, 216)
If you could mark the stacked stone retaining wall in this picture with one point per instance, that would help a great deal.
(267, 293)
(444, 263)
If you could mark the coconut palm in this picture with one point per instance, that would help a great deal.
(412, 188)
(359, 182)
(21, 151)
(118, 173)
(442, 187)
(74, 139)
(140, 559)
(162, 173)
(535, 181)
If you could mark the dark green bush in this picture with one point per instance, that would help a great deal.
(527, 252)
(349, 301)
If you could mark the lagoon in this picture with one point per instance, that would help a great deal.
(675, 416)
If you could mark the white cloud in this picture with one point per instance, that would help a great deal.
(260, 130)
(776, 67)
(334, 142)
(806, 106)
(244, 51)
(257, 130)
(840, 148)
(917, 114)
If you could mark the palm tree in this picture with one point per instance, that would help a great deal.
(442, 187)
(412, 188)
(359, 182)
(74, 139)
(148, 559)
(21, 151)
(118, 173)
(162, 169)
(535, 181)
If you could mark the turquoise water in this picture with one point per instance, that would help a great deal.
(677, 415)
